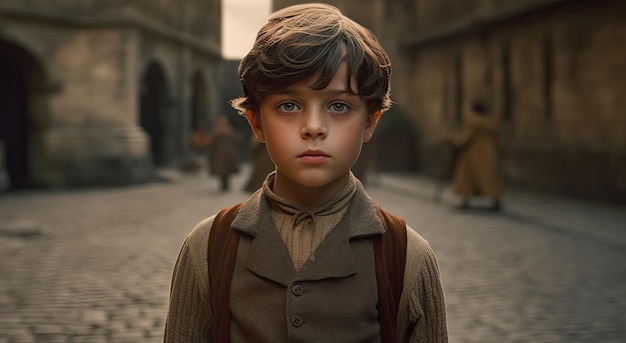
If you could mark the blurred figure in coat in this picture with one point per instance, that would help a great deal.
(223, 149)
(477, 167)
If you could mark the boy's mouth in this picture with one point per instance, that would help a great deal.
(313, 153)
(313, 156)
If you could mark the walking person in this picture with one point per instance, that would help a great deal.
(309, 256)
(223, 151)
(477, 167)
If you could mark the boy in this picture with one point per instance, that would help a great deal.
(306, 263)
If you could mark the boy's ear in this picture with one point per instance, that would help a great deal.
(377, 114)
(254, 119)
(370, 125)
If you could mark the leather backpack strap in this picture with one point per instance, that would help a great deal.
(390, 257)
(221, 255)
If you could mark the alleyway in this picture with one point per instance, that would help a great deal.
(94, 265)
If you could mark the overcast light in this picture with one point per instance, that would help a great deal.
(241, 19)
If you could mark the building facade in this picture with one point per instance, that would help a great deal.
(551, 71)
(104, 92)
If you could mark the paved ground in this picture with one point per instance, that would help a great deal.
(94, 265)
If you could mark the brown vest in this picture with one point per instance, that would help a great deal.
(390, 259)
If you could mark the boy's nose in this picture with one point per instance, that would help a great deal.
(314, 125)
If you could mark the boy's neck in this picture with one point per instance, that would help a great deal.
(304, 196)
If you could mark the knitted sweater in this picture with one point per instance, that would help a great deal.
(421, 316)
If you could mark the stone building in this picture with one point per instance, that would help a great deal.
(103, 92)
(552, 72)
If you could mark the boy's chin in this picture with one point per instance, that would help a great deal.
(317, 179)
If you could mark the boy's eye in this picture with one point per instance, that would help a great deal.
(288, 107)
(339, 107)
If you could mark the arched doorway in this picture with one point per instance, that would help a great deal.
(17, 70)
(154, 112)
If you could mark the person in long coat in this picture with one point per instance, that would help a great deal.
(477, 167)
(223, 149)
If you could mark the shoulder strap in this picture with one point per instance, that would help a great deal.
(221, 254)
(390, 257)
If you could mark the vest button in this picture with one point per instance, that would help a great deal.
(297, 290)
(297, 320)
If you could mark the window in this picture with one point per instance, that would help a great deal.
(507, 94)
(548, 78)
(458, 75)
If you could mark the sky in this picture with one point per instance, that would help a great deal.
(241, 19)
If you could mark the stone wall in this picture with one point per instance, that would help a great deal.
(552, 77)
(88, 116)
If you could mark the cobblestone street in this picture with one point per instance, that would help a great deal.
(94, 265)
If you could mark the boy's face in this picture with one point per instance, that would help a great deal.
(314, 136)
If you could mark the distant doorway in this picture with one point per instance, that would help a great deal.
(14, 118)
(153, 100)
(198, 103)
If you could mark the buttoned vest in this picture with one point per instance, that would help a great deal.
(389, 254)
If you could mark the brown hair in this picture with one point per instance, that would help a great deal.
(305, 41)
